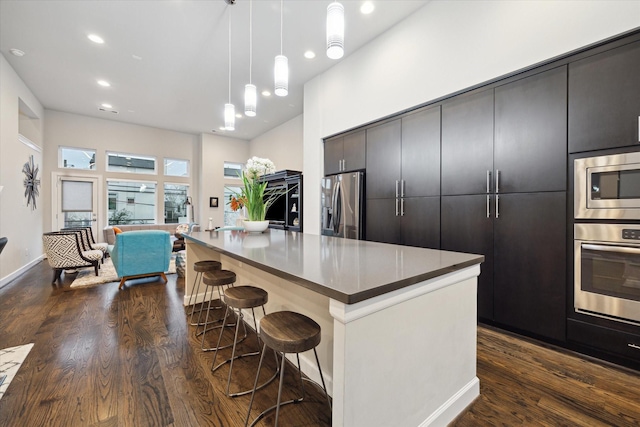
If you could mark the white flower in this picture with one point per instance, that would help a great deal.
(257, 167)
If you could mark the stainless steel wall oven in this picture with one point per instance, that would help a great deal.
(607, 271)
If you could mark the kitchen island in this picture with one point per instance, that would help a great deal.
(398, 323)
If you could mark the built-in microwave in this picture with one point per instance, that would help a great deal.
(607, 187)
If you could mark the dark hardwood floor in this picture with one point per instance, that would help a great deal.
(104, 357)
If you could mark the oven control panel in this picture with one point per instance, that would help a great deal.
(630, 234)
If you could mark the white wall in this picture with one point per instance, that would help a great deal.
(283, 145)
(215, 150)
(73, 130)
(21, 224)
(444, 47)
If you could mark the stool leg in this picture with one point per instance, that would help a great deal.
(280, 389)
(196, 287)
(255, 384)
(233, 352)
(215, 355)
(322, 378)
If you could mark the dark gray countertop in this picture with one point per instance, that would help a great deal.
(346, 270)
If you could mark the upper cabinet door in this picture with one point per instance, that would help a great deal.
(421, 153)
(354, 157)
(467, 144)
(530, 146)
(604, 100)
(333, 154)
(383, 160)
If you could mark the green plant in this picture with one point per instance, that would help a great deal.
(255, 196)
(122, 216)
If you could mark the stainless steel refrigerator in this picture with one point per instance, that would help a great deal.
(342, 200)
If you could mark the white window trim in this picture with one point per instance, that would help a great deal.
(140, 156)
(155, 211)
(61, 160)
(188, 175)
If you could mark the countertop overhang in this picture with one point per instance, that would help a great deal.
(349, 271)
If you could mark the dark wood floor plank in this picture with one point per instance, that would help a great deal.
(109, 357)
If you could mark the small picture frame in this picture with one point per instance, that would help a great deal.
(213, 202)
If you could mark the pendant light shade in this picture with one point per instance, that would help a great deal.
(281, 68)
(250, 91)
(335, 30)
(250, 100)
(229, 117)
(281, 73)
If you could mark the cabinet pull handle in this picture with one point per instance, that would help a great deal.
(402, 188)
(497, 206)
(488, 206)
(488, 182)
(637, 347)
(638, 128)
(344, 165)
(497, 181)
(397, 192)
(397, 209)
(401, 207)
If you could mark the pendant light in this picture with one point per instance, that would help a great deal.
(229, 109)
(250, 91)
(335, 30)
(281, 69)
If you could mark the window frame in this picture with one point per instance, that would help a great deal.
(164, 193)
(61, 158)
(139, 182)
(108, 154)
(164, 167)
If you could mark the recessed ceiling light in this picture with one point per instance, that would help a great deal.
(309, 54)
(95, 38)
(367, 7)
(136, 57)
(266, 93)
(104, 83)
(222, 128)
(109, 106)
(16, 52)
(239, 115)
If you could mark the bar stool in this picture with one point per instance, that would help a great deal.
(200, 267)
(237, 298)
(287, 332)
(217, 279)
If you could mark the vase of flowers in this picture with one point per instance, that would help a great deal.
(255, 198)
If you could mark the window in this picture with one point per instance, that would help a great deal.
(131, 202)
(76, 158)
(176, 167)
(230, 216)
(232, 170)
(118, 162)
(176, 209)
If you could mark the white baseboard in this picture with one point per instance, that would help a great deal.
(7, 279)
(455, 405)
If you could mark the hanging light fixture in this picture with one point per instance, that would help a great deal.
(281, 69)
(250, 91)
(229, 109)
(335, 30)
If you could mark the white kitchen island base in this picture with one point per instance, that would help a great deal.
(403, 357)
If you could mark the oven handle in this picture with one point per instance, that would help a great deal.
(623, 249)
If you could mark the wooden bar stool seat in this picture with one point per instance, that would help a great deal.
(216, 280)
(237, 298)
(200, 267)
(287, 332)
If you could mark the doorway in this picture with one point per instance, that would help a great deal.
(76, 202)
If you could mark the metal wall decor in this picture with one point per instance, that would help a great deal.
(31, 182)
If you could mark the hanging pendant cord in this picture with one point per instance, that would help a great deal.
(229, 56)
(281, 8)
(250, 38)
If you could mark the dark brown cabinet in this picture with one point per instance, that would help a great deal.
(530, 263)
(467, 226)
(403, 180)
(467, 144)
(604, 100)
(345, 153)
(530, 143)
(516, 176)
(286, 211)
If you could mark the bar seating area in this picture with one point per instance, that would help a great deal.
(282, 332)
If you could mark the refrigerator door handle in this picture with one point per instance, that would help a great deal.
(337, 208)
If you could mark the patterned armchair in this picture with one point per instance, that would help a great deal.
(88, 241)
(64, 251)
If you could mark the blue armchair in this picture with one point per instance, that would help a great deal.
(141, 253)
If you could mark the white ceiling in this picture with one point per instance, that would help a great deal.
(167, 61)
